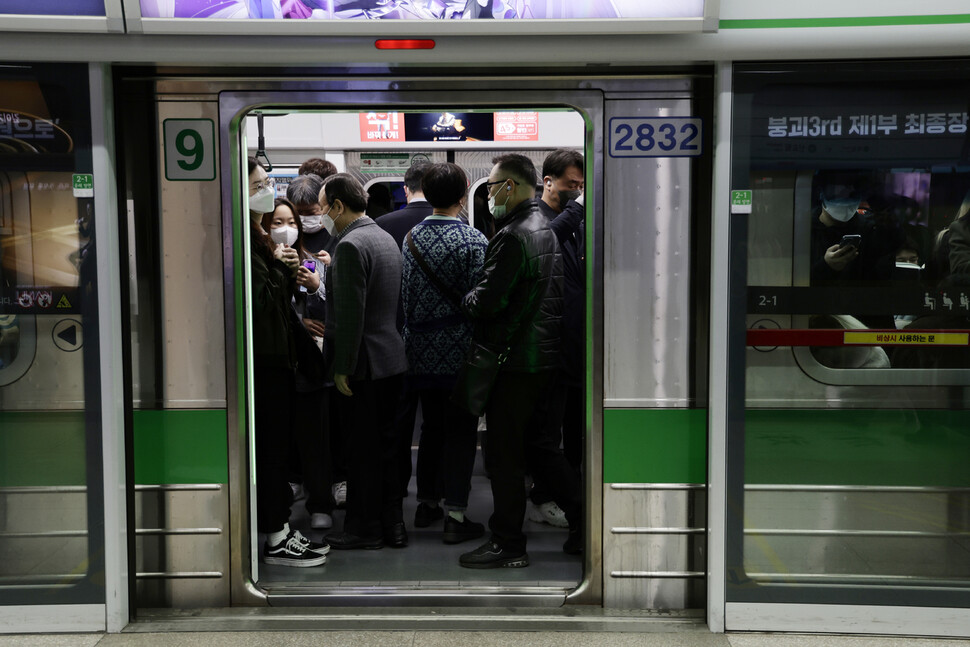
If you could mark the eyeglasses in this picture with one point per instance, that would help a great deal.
(268, 183)
(491, 184)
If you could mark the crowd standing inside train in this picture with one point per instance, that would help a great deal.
(443, 259)
(274, 269)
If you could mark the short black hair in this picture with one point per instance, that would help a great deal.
(518, 166)
(412, 177)
(320, 167)
(444, 185)
(344, 187)
(304, 189)
(558, 162)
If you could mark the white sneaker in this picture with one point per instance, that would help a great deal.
(549, 513)
(321, 521)
(340, 493)
(312, 546)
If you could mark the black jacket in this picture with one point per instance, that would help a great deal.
(398, 224)
(273, 343)
(519, 299)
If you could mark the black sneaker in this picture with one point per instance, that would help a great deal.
(291, 552)
(574, 543)
(425, 515)
(459, 531)
(312, 546)
(491, 555)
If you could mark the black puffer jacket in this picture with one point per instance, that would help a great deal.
(521, 286)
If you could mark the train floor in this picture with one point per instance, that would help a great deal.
(427, 561)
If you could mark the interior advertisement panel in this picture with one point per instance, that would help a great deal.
(421, 9)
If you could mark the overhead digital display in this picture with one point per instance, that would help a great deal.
(422, 9)
(53, 7)
(449, 127)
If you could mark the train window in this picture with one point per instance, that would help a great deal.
(50, 423)
(858, 322)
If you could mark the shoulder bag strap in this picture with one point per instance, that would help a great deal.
(448, 292)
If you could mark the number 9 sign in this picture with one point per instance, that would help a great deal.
(189, 149)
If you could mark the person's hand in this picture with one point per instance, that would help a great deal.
(838, 258)
(288, 256)
(306, 278)
(324, 257)
(343, 384)
(314, 326)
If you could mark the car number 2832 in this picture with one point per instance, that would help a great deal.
(655, 136)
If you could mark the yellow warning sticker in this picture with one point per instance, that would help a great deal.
(907, 338)
(64, 303)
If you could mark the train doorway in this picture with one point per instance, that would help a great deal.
(644, 142)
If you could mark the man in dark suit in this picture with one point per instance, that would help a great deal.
(368, 362)
(398, 224)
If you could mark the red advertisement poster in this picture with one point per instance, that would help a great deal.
(378, 126)
(516, 126)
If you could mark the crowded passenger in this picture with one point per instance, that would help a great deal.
(316, 166)
(310, 403)
(363, 287)
(443, 260)
(561, 204)
(274, 271)
(516, 309)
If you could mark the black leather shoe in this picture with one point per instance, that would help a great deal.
(348, 541)
(574, 543)
(491, 555)
(459, 531)
(425, 515)
(396, 536)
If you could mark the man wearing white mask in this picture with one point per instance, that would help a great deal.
(516, 309)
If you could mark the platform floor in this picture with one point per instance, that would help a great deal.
(462, 639)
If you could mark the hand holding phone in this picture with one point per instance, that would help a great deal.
(851, 240)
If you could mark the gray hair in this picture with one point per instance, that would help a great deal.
(304, 189)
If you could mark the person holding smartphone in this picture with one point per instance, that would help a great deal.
(310, 462)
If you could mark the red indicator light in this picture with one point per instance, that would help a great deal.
(404, 43)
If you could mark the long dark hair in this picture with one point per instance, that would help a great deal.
(267, 223)
(261, 242)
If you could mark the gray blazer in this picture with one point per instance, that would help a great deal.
(364, 284)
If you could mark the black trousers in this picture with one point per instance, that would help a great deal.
(407, 411)
(374, 496)
(311, 419)
(446, 451)
(274, 389)
(513, 441)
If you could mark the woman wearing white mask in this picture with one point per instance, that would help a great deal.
(274, 267)
(311, 464)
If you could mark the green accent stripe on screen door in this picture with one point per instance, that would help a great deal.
(655, 446)
(848, 21)
(180, 446)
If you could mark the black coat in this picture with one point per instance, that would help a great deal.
(398, 224)
(519, 298)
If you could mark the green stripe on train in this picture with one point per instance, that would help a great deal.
(655, 446)
(42, 449)
(924, 448)
(180, 446)
(847, 21)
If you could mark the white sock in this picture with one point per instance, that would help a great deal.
(276, 538)
(457, 515)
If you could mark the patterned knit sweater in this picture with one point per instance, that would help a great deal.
(436, 333)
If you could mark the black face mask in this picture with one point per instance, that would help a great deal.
(566, 196)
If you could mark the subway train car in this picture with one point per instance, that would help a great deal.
(777, 315)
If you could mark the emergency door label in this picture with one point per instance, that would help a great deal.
(655, 136)
(907, 338)
(190, 150)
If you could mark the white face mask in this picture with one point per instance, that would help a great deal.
(262, 200)
(312, 224)
(328, 223)
(285, 235)
(841, 209)
(498, 210)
